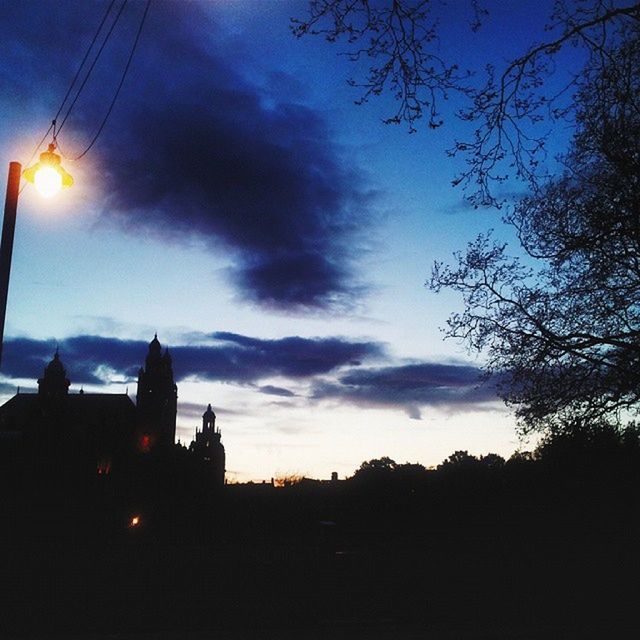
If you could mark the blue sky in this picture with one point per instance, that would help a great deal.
(276, 236)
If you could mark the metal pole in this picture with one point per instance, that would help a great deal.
(6, 245)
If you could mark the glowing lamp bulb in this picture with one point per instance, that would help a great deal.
(48, 175)
(47, 181)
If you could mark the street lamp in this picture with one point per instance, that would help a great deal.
(49, 177)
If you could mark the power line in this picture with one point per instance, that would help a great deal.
(53, 125)
(93, 64)
(86, 55)
(124, 75)
(44, 137)
(75, 78)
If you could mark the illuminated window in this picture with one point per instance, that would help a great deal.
(103, 466)
(145, 443)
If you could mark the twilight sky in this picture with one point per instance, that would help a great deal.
(276, 236)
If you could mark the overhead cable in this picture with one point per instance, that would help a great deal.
(73, 82)
(124, 75)
(93, 64)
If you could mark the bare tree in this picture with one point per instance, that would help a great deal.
(396, 37)
(510, 108)
(561, 329)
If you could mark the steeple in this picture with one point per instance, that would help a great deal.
(157, 396)
(208, 448)
(54, 383)
(208, 420)
(154, 356)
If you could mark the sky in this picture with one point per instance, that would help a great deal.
(275, 236)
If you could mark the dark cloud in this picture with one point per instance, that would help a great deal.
(297, 357)
(196, 152)
(244, 360)
(233, 358)
(411, 387)
(270, 390)
(25, 358)
(83, 357)
(193, 411)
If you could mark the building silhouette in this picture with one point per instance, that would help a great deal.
(57, 433)
(156, 399)
(207, 446)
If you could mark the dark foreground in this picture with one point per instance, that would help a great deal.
(523, 554)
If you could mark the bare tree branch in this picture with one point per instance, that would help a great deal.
(511, 109)
(564, 338)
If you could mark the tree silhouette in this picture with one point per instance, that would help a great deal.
(589, 447)
(459, 461)
(492, 461)
(562, 331)
(376, 467)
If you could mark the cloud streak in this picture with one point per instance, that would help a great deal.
(331, 368)
(232, 358)
(411, 387)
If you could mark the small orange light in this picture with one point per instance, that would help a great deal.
(135, 521)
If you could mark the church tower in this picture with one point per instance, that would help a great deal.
(208, 447)
(157, 400)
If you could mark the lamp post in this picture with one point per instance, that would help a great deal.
(49, 177)
(6, 244)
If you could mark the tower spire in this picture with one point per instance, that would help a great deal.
(157, 396)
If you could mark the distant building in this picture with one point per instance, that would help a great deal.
(208, 447)
(54, 432)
